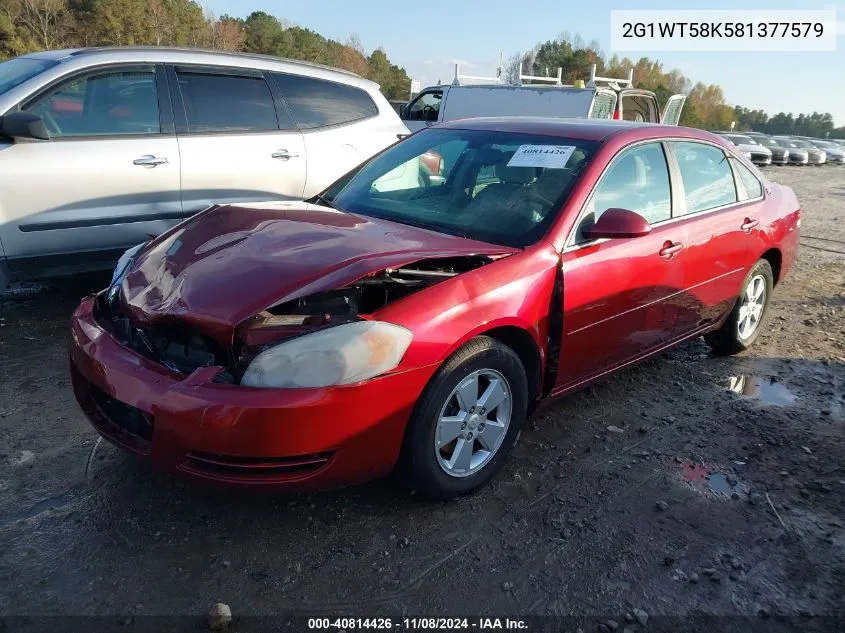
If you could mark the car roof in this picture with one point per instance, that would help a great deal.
(584, 129)
(168, 54)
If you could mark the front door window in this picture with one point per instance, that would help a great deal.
(110, 103)
(426, 107)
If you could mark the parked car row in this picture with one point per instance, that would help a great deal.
(763, 149)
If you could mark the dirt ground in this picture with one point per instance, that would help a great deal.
(658, 490)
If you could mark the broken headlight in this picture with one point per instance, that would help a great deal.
(339, 355)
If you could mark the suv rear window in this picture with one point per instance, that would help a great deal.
(316, 103)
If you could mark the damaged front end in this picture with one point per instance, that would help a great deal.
(184, 348)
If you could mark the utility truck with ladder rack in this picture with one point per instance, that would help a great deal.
(537, 96)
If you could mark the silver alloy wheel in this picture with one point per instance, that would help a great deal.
(751, 308)
(473, 423)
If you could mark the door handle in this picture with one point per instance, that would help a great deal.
(669, 249)
(283, 154)
(150, 161)
(749, 224)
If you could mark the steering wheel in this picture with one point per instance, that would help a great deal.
(428, 109)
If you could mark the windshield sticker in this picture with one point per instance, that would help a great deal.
(548, 156)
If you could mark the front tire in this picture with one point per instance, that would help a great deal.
(745, 321)
(466, 421)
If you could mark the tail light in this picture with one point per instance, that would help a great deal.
(616, 115)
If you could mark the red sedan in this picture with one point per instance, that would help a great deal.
(328, 342)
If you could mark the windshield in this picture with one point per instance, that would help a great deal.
(826, 144)
(498, 187)
(16, 71)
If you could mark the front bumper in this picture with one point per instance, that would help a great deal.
(835, 160)
(761, 159)
(293, 439)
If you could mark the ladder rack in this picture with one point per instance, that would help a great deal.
(496, 80)
(556, 80)
(611, 81)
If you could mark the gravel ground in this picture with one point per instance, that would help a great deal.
(658, 494)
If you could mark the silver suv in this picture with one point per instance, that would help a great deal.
(101, 148)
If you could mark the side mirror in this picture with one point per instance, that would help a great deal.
(23, 125)
(616, 223)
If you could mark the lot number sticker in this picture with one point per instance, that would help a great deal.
(549, 156)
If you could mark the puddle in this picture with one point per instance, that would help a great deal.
(713, 481)
(765, 389)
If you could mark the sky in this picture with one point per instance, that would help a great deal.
(428, 38)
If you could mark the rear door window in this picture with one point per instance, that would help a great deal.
(752, 188)
(226, 103)
(316, 103)
(706, 175)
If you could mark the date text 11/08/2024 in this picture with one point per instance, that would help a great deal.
(413, 624)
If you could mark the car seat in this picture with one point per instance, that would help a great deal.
(510, 178)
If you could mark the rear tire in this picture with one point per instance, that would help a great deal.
(745, 321)
(466, 421)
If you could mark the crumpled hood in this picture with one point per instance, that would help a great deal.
(231, 262)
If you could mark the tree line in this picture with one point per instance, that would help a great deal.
(32, 25)
(705, 107)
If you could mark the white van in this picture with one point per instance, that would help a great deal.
(599, 98)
